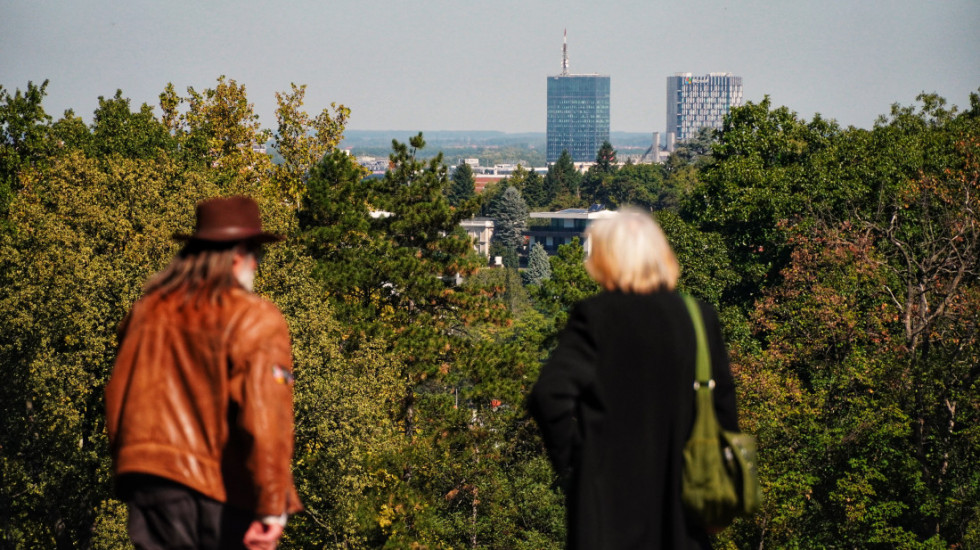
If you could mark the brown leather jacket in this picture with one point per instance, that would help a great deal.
(202, 395)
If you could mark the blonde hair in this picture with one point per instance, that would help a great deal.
(628, 251)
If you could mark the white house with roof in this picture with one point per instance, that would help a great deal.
(481, 231)
(563, 227)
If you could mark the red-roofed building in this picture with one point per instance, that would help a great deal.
(482, 180)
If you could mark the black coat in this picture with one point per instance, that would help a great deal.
(614, 404)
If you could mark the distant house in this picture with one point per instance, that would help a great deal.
(481, 231)
(478, 229)
(482, 180)
(563, 227)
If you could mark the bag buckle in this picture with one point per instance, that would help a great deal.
(711, 384)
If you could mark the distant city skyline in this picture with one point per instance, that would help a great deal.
(446, 65)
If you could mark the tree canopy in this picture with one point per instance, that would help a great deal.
(843, 261)
(463, 186)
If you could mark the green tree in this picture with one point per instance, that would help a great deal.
(641, 185)
(534, 191)
(216, 134)
(569, 284)
(24, 139)
(88, 223)
(219, 124)
(605, 165)
(303, 140)
(837, 468)
(452, 477)
(706, 269)
(561, 184)
(491, 195)
(117, 130)
(342, 401)
(698, 150)
(86, 234)
(605, 158)
(518, 178)
(756, 185)
(932, 245)
(509, 213)
(864, 338)
(463, 187)
(338, 230)
(538, 266)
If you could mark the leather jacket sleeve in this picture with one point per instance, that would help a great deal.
(261, 415)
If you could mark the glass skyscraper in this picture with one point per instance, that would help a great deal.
(695, 102)
(578, 113)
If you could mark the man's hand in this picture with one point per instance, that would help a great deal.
(262, 536)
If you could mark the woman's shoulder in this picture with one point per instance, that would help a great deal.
(621, 304)
(618, 298)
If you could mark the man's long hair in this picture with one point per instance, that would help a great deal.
(201, 270)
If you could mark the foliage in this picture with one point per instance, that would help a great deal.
(696, 150)
(706, 270)
(508, 286)
(533, 190)
(605, 164)
(91, 217)
(116, 130)
(569, 283)
(605, 158)
(518, 178)
(509, 213)
(24, 138)
(560, 188)
(844, 263)
(640, 185)
(463, 187)
(218, 126)
(343, 405)
(865, 337)
(85, 237)
(303, 140)
(538, 267)
(392, 276)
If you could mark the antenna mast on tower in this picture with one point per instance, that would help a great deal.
(564, 55)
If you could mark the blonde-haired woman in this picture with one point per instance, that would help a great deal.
(615, 400)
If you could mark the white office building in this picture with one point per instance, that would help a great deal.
(695, 102)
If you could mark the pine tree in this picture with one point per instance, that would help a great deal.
(534, 192)
(463, 187)
(510, 220)
(538, 266)
(561, 184)
(605, 158)
(592, 181)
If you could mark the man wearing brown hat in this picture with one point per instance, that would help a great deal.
(199, 405)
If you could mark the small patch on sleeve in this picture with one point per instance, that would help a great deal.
(282, 375)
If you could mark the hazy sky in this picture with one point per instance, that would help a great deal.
(468, 65)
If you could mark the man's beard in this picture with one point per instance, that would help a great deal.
(246, 278)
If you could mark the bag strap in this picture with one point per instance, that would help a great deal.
(702, 370)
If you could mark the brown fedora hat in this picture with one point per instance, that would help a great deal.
(229, 219)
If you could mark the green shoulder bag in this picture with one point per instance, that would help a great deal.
(721, 481)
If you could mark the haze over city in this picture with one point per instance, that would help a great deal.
(445, 65)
